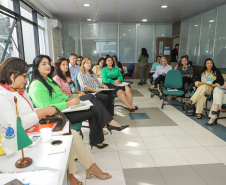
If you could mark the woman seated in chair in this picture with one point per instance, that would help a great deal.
(62, 76)
(112, 77)
(160, 73)
(45, 92)
(209, 77)
(13, 77)
(187, 73)
(97, 68)
(219, 98)
(117, 63)
(89, 82)
(156, 64)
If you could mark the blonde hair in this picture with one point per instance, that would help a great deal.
(162, 59)
(82, 69)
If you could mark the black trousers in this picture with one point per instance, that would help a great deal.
(159, 79)
(143, 74)
(107, 98)
(97, 116)
(187, 81)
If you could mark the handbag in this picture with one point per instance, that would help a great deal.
(58, 118)
(190, 109)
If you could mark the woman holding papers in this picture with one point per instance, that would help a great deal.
(219, 98)
(209, 77)
(13, 77)
(112, 77)
(187, 73)
(89, 82)
(45, 92)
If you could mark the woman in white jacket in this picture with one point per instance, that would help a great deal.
(13, 77)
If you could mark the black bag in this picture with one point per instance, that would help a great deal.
(190, 109)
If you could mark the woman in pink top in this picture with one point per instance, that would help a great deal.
(63, 78)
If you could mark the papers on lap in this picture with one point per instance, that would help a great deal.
(123, 84)
(84, 105)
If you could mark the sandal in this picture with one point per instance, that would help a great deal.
(199, 116)
(189, 102)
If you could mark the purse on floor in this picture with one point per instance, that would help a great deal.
(190, 109)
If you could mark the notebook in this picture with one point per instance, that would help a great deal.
(36, 128)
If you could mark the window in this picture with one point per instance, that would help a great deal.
(7, 3)
(25, 11)
(41, 41)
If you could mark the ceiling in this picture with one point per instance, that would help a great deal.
(128, 11)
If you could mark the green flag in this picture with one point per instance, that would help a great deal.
(22, 138)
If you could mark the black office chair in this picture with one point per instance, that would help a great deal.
(129, 72)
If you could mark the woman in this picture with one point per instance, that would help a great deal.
(112, 77)
(89, 82)
(156, 64)
(160, 73)
(187, 73)
(63, 78)
(209, 77)
(219, 98)
(143, 64)
(45, 92)
(117, 63)
(97, 68)
(13, 77)
(79, 61)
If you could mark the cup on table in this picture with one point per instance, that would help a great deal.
(45, 134)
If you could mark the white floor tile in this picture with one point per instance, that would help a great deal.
(132, 143)
(112, 147)
(149, 131)
(198, 156)
(117, 179)
(183, 141)
(158, 142)
(128, 132)
(172, 130)
(136, 159)
(167, 157)
(108, 160)
(209, 140)
(219, 152)
(195, 129)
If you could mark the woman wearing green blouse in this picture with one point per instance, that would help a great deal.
(112, 77)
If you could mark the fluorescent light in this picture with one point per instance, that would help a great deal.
(124, 34)
(164, 6)
(144, 20)
(211, 20)
(195, 25)
(129, 30)
(88, 19)
(86, 4)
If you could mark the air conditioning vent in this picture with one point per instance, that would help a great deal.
(56, 24)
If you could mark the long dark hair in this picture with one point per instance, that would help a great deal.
(116, 59)
(36, 74)
(144, 52)
(11, 66)
(99, 60)
(59, 72)
(104, 65)
(205, 68)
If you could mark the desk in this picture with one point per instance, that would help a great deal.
(41, 159)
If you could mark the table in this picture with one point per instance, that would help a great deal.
(41, 159)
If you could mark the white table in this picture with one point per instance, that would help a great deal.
(41, 159)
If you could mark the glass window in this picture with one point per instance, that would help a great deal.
(146, 39)
(25, 11)
(163, 30)
(29, 43)
(7, 3)
(184, 37)
(5, 27)
(207, 35)
(193, 38)
(41, 41)
(90, 41)
(127, 42)
(109, 39)
(71, 39)
(41, 21)
(220, 40)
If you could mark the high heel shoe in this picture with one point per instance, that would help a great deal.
(133, 110)
(216, 113)
(111, 127)
(101, 177)
(214, 123)
(99, 146)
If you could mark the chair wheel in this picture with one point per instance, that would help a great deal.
(152, 95)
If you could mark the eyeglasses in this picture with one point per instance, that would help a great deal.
(25, 76)
(79, 60)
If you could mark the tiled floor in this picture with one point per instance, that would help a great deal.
(161, 147)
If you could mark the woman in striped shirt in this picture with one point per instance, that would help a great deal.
(209, 77)
(89, 82)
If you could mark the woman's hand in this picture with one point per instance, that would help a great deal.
(97, 90)
(81, 93)
(224, 85)
(105, 87)
(199, 84)
(72, 102)
(50, 111)
(116, 82)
